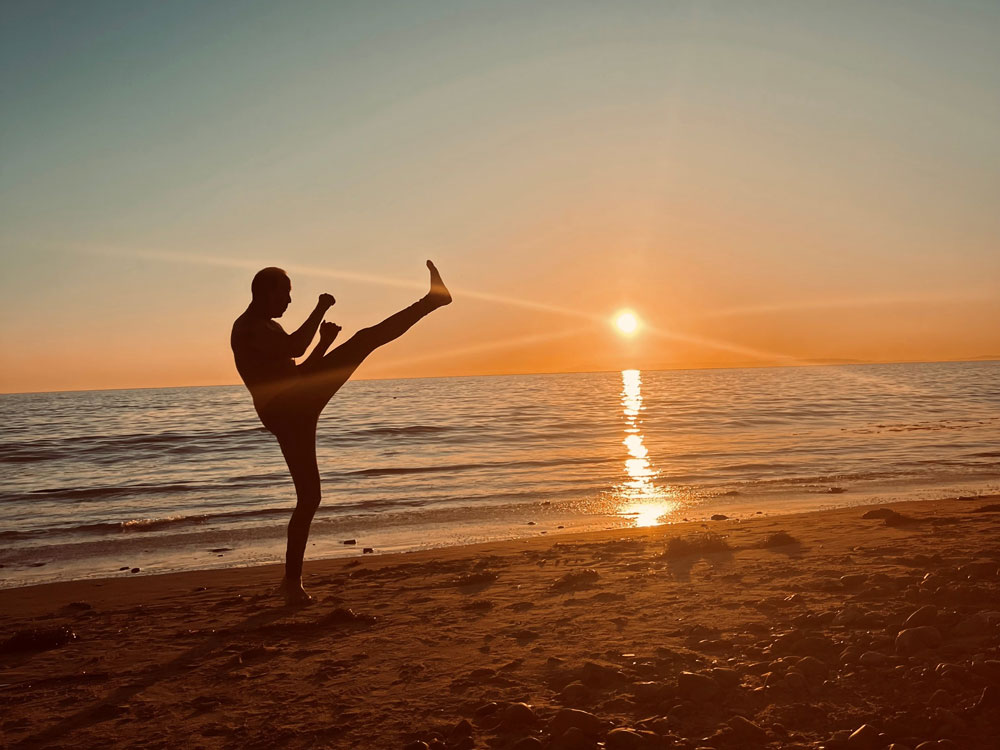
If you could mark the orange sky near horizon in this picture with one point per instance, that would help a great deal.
(777, 186)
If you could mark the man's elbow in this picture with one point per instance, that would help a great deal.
(297, 347)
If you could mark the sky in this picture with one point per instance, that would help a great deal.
(768, 183)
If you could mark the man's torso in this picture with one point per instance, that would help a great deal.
(261, 350)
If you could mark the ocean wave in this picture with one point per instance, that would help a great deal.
(109, 448)
(141, 524)
(386, 431)
(251, 481)
(16, 455)
(83, 494)
(390, 470)
(78, 494)
(326, 513)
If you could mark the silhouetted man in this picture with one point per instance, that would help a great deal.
(289, 397)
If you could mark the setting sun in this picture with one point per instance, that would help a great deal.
(626, 322)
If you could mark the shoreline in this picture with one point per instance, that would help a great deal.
(326, 565)
(799, 640)
(159, 553)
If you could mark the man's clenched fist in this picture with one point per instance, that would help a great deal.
(328, 331)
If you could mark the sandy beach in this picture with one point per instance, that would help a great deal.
(867, 627)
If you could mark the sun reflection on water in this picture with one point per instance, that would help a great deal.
(643, 500)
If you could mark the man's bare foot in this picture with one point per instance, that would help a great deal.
(294, 594)
(439, 293)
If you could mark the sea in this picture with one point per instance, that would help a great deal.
(134, 482)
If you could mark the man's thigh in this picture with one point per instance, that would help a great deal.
(291, 415)
(335, 369)
(350, 354)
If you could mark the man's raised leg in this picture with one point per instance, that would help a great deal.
(338, 366)
(396, 325)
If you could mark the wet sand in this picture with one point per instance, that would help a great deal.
(735, 636)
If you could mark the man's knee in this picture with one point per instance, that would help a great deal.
(307, 487)
(306, 507)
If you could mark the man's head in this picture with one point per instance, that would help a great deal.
(272, 291)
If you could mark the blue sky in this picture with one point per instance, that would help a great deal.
(684, 159)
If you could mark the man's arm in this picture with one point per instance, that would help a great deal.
(327, 333)
(300, 338)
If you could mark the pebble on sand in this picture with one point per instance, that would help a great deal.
(926, 615)
(747, 730)
(879, 513)
(912, 640)
(459, 732)
(518, 715)
(873, 659)
(848, 615)
(698, 687)
(778, 539)
(601, 675)
(575, 694)
(572, 718)
(576, 579)
(624, 739)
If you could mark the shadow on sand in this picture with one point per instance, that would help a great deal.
(210, 643)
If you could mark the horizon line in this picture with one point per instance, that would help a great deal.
(833, 363)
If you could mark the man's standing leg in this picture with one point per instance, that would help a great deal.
(298, 446)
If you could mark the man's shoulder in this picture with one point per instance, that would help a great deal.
(254, 324)
(254, 331)
(243, 325)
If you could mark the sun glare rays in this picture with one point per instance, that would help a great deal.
(418, 282)
(254, 265)
(846, 303)
(491, 346)
(626, 323)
